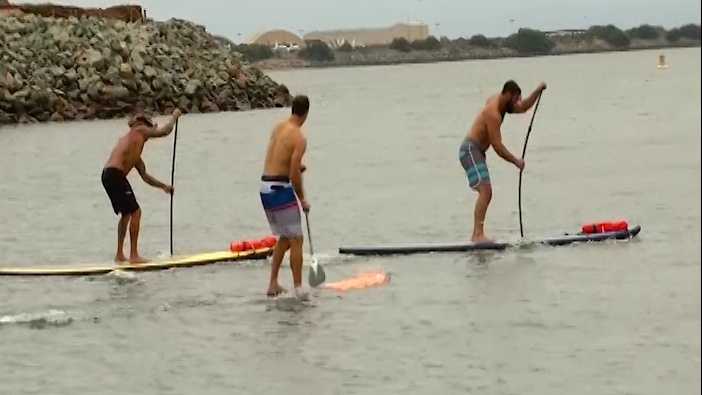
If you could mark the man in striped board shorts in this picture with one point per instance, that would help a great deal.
(282, 193)
(485, 132)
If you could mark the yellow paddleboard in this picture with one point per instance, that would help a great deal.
(93, 269)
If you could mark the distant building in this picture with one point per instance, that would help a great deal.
(366, 37)
(277, 38)
(565, 33)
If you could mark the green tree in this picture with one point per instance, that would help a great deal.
(317, 51)
(690, 31)
(644, 32)
(530, 41)
(479, 40)
(610, 34)
(461, 42)
(428, 44)
(401, 44)
(254, 52)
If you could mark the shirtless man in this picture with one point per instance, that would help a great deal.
(484, 133)
(125, 156)
(281, 188)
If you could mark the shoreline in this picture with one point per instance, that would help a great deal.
(296, 64)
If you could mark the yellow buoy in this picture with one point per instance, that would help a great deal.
(661, 62)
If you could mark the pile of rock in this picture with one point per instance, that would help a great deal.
(69, 68)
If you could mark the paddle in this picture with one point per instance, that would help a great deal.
(521, 226)
(175, 141)
(316, 274)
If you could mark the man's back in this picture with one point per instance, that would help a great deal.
(127, 151)
(280, 149)
(479, 130)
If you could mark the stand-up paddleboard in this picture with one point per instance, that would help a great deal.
(464, 247)
(95, 269)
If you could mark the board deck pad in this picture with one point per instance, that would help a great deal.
(465, 247)
(169, 263)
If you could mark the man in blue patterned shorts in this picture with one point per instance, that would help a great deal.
(282, 193)
(484, 133)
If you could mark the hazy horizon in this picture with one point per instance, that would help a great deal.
(450, 18)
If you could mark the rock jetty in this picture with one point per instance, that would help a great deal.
(56, 69)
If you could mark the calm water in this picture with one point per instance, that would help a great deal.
(614, 138)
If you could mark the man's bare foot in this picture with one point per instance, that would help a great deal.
(481, 240)
(120, 258)
(275, 290)
(301, 294)
(137, 260)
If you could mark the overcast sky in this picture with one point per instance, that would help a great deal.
(242, 18)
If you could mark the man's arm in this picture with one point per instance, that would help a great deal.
(495, 135)
(296, 167)
(164, 130)
(141, 168)
(525, 105)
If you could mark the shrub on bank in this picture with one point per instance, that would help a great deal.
(690, 31)
(428, 44)
(610, 34)
(317, 51)
(644, 32)
(401, 44)
(530, 41)
(478, 40)
(254, 52)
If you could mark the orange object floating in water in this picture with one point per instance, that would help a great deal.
(360, 281)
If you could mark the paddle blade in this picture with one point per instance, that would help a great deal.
(316, 275)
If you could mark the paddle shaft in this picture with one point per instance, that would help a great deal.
(526, 141)
(175, 141)
(309, 235)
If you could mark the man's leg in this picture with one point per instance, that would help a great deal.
(134, 238)
(281, 247)
(481, 206)
(121, 233)
(296, 261)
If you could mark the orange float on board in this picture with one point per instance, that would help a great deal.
(257, 244)
(601, 227)
(270, 241)
(236, 246)
(248, 245)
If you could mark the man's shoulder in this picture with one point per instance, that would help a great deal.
(490, 113)
(292, 131)
(141, 131)
(286, 126)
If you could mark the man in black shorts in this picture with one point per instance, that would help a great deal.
(125, 156)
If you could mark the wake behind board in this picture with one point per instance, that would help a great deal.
(465, 247)
(95, 269)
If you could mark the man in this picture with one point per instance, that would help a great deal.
(484, 133)
(282, 192)
(125, 156)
